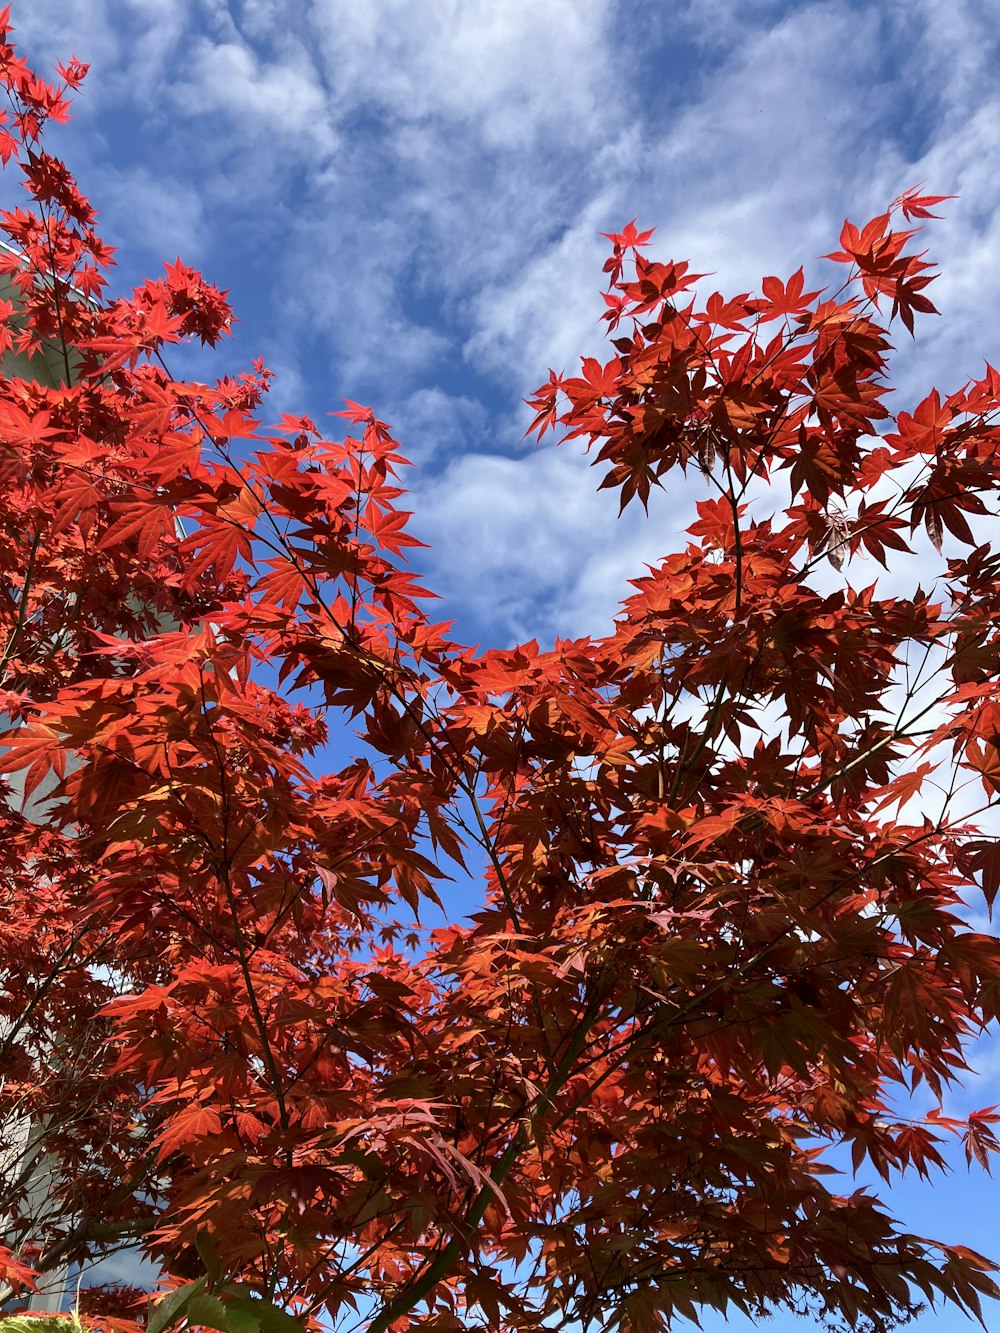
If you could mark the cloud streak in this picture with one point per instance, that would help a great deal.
(417, 192)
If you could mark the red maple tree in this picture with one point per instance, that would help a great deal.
(708, 941)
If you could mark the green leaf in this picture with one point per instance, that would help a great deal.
(270, 1318)
(235, 1314)
(208, 1311)
(172, 1306)
(241, 1321)
(55, 1323)
(209, 1254)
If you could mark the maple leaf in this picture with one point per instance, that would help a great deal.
(985, 758)
(12, 1270)
(915, 205)
(783, 299)
(982, 857)
(698, 942)
(186, 1127)
(36, 748)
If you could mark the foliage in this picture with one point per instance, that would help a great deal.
(720, 921)
(41, 1324)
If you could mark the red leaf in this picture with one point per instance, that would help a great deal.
(187, 1126)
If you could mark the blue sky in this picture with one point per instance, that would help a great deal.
(405, 199)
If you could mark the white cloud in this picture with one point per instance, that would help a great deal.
(126, 42)
(518, 71)
(259, 18)
(546, 313)
(427, 183)
(432, 425)
(966, 245)
(528, 545)
(748, 177)
(153, 213)
(958, 39)
(272, 101)
(344, 281)
(54, 29)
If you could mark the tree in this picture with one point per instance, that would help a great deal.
(719, 921)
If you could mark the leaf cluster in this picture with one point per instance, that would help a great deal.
(717, 860)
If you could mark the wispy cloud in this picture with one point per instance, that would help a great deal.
(406, 201)
(520, 73)
(527, 546)
(273, 103)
